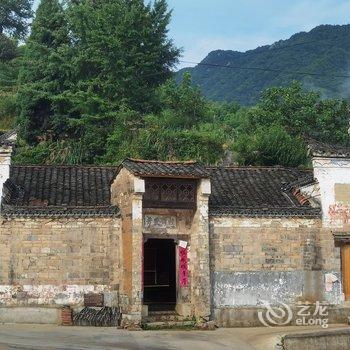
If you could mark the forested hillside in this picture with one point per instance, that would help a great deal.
(325, 50)
(93, 83)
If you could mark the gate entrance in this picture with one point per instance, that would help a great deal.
(159, 275)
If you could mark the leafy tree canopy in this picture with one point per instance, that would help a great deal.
(186, 127)
(96, 86)
(73, 88)
(274, 131)
(43, 76)
(10, 61)
(14, 16)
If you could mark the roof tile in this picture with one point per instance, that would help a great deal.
(150, 168)
(85, 191)
(55, 190)
(319, 149)
(257, 191)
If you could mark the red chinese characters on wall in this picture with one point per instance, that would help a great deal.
(183, 267)
(339, 212)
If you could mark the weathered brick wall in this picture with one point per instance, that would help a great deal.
(121, 195)
(262, 244)
(55, 261)
(126, 192)
(259, 259)
(201, 286)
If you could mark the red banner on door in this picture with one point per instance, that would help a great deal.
(183, 267)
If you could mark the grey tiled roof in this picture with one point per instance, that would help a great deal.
(150, 168)
(295, 212)
(58, 212)
(257, 191)
(307, 179)
(58, 191)
(318, 149)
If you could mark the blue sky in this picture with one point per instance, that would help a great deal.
(200, 26)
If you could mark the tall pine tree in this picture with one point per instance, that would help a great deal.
(121, 55)
(43, 76)
(74, 87)
(14, 15)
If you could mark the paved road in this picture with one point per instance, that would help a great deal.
(40, 337)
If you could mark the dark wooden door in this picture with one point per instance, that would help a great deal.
(159, 274)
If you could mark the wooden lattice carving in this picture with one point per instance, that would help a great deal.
(170, 193)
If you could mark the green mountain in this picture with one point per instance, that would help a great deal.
(324, 51)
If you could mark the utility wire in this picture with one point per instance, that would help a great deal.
(267, 50)
(213, 65)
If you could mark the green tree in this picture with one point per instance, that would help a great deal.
(9, 69)
(44, 75)
(73, 95)
(122, 51)
(272, 132)
(186, 126)
(8, 48)
(271, 145)
(121, 54)
(14, 16)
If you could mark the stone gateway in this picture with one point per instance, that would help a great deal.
(210, 243)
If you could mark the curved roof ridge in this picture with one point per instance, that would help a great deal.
(63, 166)
(155, 168)
(326, 150)
(162, 161)
(258, 167)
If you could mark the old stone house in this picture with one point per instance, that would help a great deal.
(205, 242)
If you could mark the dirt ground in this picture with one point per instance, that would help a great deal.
(48, 337)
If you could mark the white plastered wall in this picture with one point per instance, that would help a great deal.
(330, 172)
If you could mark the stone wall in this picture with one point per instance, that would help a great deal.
(254, 260)
(121, 192)
(126, 193)
(52, 262)
(338, 339)
(201, 285)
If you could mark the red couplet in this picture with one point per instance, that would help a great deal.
(183, 267)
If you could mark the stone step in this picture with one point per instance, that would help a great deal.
(172, 318)
(168, 325)
(165, 317)
(165, 312)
